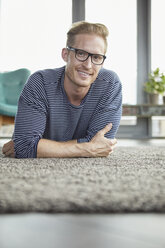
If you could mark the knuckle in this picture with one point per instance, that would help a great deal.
(110, 149)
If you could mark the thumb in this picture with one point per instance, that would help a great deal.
(106, 129)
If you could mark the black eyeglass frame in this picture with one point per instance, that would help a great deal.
(89, 54)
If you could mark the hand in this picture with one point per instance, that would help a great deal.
(101, 146)
(8, 149)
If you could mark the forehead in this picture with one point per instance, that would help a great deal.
(90, 42)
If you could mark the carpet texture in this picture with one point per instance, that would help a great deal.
(132, 179)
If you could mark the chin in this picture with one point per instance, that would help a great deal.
(83, 83)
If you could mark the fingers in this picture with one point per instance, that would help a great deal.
(8, 149)
(106, 129)
(113, 141)
(7, 146)
(10, 153)
(4, 148)
(112, 144)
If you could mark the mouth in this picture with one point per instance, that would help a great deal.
(84, 74)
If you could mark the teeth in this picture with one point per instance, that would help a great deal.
(85, 74)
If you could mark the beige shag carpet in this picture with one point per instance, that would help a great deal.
(132, 179)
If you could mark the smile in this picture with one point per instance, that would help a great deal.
(84, 74)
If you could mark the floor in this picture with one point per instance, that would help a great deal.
(35, 230)
(80, 231)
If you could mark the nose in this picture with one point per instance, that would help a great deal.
(88, 62)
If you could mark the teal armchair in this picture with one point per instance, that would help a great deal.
(11, 85)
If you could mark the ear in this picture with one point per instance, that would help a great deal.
(64, 54)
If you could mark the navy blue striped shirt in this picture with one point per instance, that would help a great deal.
(44, 110)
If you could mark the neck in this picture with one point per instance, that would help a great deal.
(75, 93)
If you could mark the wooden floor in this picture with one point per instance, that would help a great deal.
(84, 231)
(80, 231)
(6, 120)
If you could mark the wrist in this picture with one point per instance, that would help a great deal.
(85, 149)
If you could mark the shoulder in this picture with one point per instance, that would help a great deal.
(108, 76)
(49, 75)
(109, 79)
(41, 78)
(38, 82)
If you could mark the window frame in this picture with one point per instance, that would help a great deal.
(143, 127)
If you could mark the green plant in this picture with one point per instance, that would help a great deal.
(155, 83)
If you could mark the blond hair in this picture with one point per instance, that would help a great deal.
(84, 27)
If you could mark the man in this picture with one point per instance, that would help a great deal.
(73, 111)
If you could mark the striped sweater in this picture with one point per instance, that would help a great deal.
(45, 112)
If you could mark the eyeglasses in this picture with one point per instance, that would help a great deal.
(82, 56)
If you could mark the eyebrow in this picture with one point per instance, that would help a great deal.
(86, 51)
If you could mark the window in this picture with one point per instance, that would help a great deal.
(158, 53)
(33, 33)
(120, 18)
(157, 35)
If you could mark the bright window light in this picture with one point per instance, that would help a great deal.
(33, 33)
(120, 18)
(158, 35)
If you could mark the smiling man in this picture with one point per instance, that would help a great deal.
(73, 111)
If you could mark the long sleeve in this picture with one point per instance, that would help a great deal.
(108, 110)
(31, 117)
(45, 112)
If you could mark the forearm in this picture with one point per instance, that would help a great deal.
(53, 149)
(99, 146)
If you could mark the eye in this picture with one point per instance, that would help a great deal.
(82, 53)
(97, 57)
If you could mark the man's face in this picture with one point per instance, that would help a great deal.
(83, 74)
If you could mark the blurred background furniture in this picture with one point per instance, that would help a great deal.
(11, 85)
(143, 129)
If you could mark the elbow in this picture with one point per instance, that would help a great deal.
(24, 153)
(25, 149)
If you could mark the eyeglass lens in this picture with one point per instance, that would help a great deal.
(83, 55)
